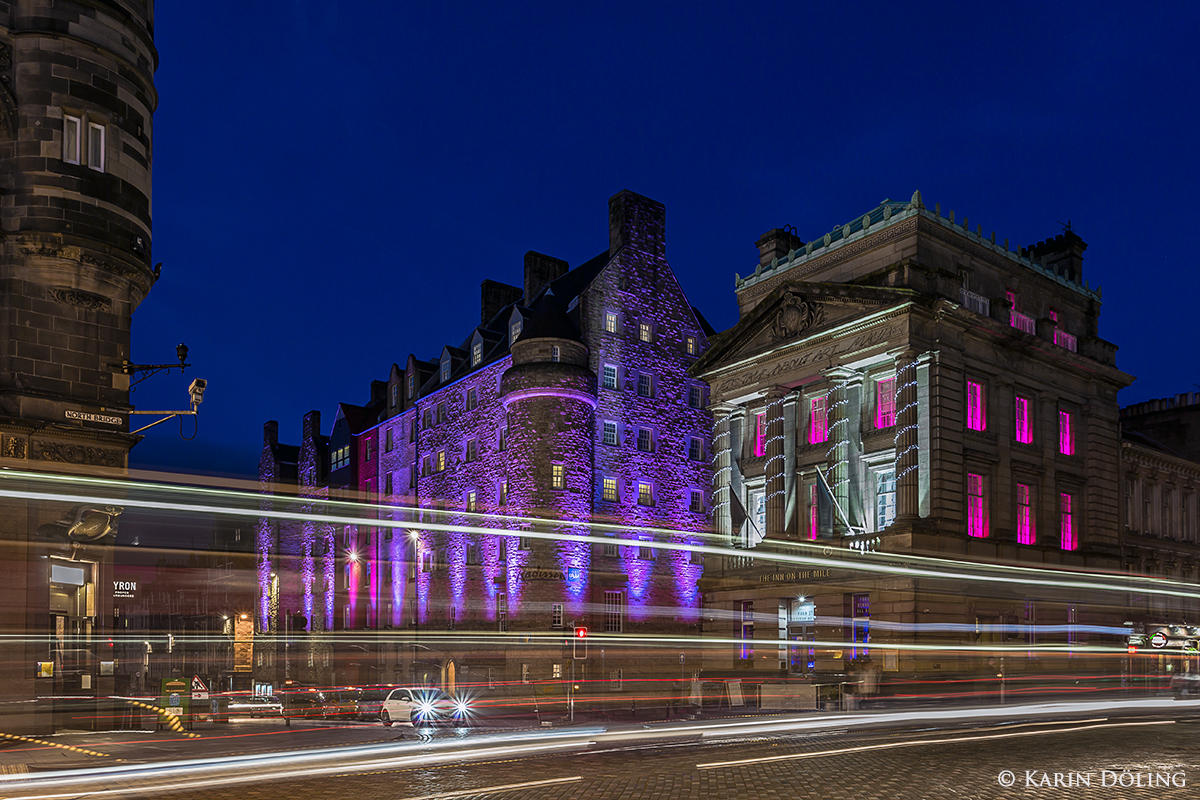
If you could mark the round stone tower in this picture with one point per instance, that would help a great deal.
(77, 99)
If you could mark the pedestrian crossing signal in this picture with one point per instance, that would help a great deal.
(579, 643)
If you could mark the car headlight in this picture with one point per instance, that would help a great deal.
(425, 710)
(462, 708)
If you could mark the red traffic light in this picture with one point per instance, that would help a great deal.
(581, 632)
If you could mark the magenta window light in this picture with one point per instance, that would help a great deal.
(1025, 528)
(1024, 429)
(885, 403)
(1066, 437)
(818, 429)
(1070, 539)
(977, 523)
(812, 512)
(976, 410)
(760, 434)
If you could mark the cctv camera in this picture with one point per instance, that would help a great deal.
(196, 390)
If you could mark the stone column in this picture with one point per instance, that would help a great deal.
(837, 458)
(907, 450)
(722, 467)
(791, 498)
(776, 463)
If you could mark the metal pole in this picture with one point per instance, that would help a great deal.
(571, 692)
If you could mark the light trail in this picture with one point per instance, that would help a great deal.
(510, 787)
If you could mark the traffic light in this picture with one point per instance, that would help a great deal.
(579, 643)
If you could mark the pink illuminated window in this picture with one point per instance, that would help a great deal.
(818, 429)
(976, 407)
(760, 434)
(1025, 526)
(1070, 537)
(885, 403)
(1066, 436)
(1024, 429)
(1054, 316)
(812, 512)
(977, 522)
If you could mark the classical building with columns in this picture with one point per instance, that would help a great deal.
(906, 385)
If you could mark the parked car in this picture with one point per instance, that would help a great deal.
(370, 702)
(1184, 684)
(417, 706)
(255, 706)
(304, 704)
(341, 703)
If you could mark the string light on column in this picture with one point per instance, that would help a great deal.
(902, 384)
(837, 438)
(726, 450)
(767, 446)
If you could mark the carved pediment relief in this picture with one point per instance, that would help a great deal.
(795, 315)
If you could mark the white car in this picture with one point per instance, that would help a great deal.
(416, 706)
(256, 706)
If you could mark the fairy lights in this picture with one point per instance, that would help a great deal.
(722, 455)
(906, 400)
(839, 437)
(775, 414)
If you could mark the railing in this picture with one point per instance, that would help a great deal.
(738, 562)
(1023, 322)
(1064, 339)
(977, 303)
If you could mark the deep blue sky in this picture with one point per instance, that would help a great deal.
(333, 180)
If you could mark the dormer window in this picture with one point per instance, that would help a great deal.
(476, 354)
(514, 331)
(445, 370)
(411, 385)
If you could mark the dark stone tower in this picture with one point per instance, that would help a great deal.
(76, 104)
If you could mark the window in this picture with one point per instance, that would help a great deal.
(367, 451)
(502, 444)
(472, 399)
(1166, 512)
(471, 504)
(388, 441)
(1184, 526)
(645, 552)
(690, 345)
(441, 412)
(696, 506)
(556, 671)
(387, 483)
(412, 430)
(476, 354)
(611, 550)
(645, 386)
(760, 434)
(885, 498)
(1024, 430)
(813, 511)
(976, 407)
(645, 494)
(977, 522)
(1066, 436)
(610, 433)
(556, 615)
(695, 397)
(514, 331)
(610, 322)
(747, 635)
(472, 450)
(96, 147)
(1054, 315)
(502, 496)
(558, 477)
(695, 451)
(615, 679)
(472, 553)
(1070, 537)
(441, 460)
(1065, 340)
(502, 612)
(818, 428)
(1128, 505)
(523, 543)
(1016, 319)
(427, 465)
(861, 631)
(445, 370)
(644, 331)
(411, 386)
(645, 440)
(72, 128)
(395, 393)
(610, 490)
(1026, 529)
(610, 376)
(885, 403)
(428, 418)
(614, 612)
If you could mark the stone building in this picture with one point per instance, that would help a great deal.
(77, 98)
(907, 385)
(570, 402)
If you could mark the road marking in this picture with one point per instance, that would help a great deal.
(889, 745)
(508, 787)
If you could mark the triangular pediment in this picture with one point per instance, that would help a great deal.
(795, 311)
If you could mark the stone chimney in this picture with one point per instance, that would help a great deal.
(378, 391)
(637, 222)
(494, 296)
(270, 433)
(777, 243)
(312, 426)
(1063, 254)
(540, 271)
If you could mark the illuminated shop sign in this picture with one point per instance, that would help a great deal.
(124, 590)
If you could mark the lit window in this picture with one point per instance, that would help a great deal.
(472, 399)
(472, 450)
(696, 506)
(813, 510)
(695, 397)
(645, 386)
(977, 522)
(818, 429)
(555, 353)
(502, 619)
(610, 322)
(1070, 537)
(610, 433)
(445, 370)
(885, 499)
(1066, 340)
(610, 376)
(645, 440)
(1054, 316)
(690, 345)
(644, 331)
(556, 615)
(760, 434)
(614, 612)
(441, 460)
(502, 495)
(471, 502)
(694, 449)
(1066, 435)
(645, 494)
(514, 331)
(96, 147)
(558, 477)
(72, 126)
(1026, 532)
(976, 407)
(1023, 427)
(885, 403)
(610, 490)
(476, 354)
(556, 671)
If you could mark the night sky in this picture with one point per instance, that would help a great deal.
(332, 181)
